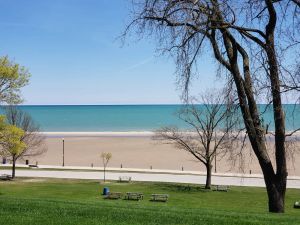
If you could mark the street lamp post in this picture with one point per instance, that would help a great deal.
(215, 162)
(63, 141)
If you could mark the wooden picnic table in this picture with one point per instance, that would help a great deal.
(33, 166)
(221, 188)
(159, 197)
(5, 177)
(124, 179)
(134, 196)
(113, 195)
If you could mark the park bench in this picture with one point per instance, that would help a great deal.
(221, 188)
(33, 166)
(113, 195)
(124, 179)
(297, 205)
(159, 197)
(134, 196)
(5, 177)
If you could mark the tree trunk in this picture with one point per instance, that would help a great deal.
(276, 187)
(275, 182)
(13, 167)
(208, 176)
(104, 174)
(276, 199)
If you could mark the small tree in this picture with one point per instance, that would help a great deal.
(212, 125)
(12, 78)
(11, 142)
(106, 156)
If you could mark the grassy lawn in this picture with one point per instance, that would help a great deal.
(57, 201)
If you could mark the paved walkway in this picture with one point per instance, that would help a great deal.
(158, 176)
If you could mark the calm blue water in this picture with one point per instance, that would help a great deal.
(123, 117)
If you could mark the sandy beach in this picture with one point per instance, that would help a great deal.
(135, 150)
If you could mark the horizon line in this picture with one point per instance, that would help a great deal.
(130, 104)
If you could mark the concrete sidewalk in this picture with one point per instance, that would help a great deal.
(148, 175)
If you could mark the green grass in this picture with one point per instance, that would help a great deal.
(57, 201)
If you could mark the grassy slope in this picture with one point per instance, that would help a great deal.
(66, 202)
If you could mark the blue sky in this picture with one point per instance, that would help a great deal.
(70, 48)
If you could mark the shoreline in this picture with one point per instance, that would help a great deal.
(62, 134)
(99, 134)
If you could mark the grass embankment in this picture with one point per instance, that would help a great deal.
(54, 201)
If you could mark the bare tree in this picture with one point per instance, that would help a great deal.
(106, 156)
(256, 45)
(211, 132)
(33, 139)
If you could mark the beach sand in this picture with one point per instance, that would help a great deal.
(136, 150)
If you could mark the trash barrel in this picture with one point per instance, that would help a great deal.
(4, 161)
(27, 162)
(105, 191)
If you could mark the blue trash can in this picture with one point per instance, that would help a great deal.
(105, 191)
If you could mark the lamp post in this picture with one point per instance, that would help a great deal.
(63, 142)
(215, 161)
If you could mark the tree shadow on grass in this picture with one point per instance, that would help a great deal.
(181, 187)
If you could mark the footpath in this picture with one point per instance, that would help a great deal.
(154, 175)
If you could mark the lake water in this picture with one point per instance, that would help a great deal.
(89, 118)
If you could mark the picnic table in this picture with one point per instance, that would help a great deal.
(134, 196)
(5, 177)
(124, 179)
(33, 166)
(159, 197)
(221, 188)
(113, 195)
